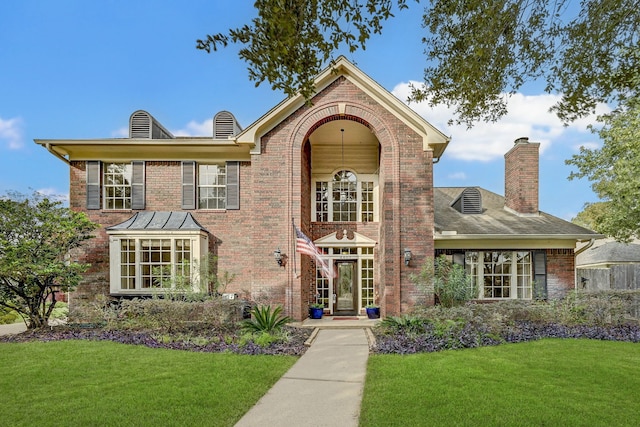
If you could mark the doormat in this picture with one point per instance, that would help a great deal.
(345, 318)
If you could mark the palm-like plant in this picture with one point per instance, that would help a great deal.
(265, 320)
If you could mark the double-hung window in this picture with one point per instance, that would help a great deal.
(115, 186)
(345, 197)
(212, 186)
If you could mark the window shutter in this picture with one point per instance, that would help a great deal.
(458, 258)
(93, 184)
(137, 185)
(540, 275)
(189, 185)
(233, 185)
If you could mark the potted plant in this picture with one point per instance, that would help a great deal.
(316, 311)
(373, 311)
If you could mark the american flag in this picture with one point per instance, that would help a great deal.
(304, 245)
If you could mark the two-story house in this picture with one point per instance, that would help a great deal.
(353, 171)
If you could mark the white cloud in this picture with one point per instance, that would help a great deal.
(11, 133)
(123, 132)
(457, 175)
(589, 145)
(194, 128)
(528, 116)
(54, 194)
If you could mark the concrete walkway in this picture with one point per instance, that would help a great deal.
(14, 328)
(323, 388)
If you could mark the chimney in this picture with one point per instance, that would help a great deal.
(521, 177)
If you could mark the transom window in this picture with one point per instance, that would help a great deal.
(117, 185)
(212, 186)
(501, 274)
(344, 199)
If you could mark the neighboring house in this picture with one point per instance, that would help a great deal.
(353, 171)
(609, 265)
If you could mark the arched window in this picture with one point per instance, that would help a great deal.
(344, 198)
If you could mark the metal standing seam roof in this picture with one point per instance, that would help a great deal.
(495, 220)
(159, 221)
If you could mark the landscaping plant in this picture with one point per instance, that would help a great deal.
(37, 239)
(265, 320)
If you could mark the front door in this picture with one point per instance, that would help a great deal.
(346, 289)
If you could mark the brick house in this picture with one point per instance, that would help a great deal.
(353, 171)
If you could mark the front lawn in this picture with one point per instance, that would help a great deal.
(80, 383)
(550, 382)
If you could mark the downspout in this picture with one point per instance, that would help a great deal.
(55, 153)
(575, 257)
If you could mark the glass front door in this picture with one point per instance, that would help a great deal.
(345, 288)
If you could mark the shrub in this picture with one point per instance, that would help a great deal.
(265, 320)
(448, 281)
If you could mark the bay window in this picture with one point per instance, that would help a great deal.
(145, 263)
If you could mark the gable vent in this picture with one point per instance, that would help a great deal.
(143, 125)
(225, 125)
(468, 202)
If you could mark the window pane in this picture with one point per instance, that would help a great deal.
(212, 181)
(117, 185)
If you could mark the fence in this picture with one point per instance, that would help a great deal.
(618, 277)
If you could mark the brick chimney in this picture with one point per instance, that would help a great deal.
(521, 177)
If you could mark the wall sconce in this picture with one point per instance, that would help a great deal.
(277, 255)
(407, 256)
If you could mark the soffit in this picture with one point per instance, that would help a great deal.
(147, 149)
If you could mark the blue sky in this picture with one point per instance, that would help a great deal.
(74, 69)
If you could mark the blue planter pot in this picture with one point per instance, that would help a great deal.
(316, 313)
(373, 313)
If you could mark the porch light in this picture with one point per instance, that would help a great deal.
(407, 256)
(277, 255)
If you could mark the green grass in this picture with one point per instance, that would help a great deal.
(540, 383)
(85, 383)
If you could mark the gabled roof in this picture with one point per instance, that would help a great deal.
(431, 136)
(497, 223)
(159, 221)
(609, 253)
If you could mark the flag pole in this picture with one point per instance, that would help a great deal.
(293, 226)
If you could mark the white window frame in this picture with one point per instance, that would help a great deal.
(363, 255)
(198, 251)
(220, 203)
(520, 283)
(126, 186)
(328, 179)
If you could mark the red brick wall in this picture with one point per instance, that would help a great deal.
(521, 177)
(275, 187)
(560, 272)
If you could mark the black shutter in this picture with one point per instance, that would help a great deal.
(93, 184)
(189, 185)
(540, 275)
(137, 185)
(233, 185)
